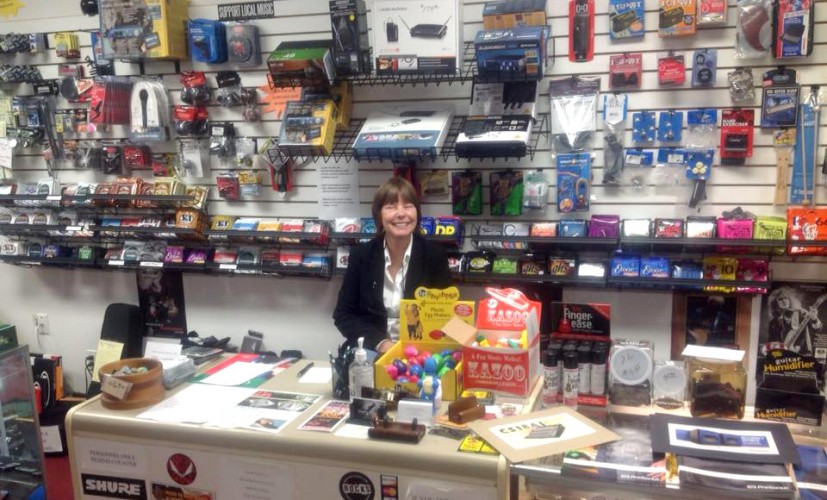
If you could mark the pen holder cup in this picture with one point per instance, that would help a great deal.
(147, 387)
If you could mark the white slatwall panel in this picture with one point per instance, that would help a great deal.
(209, 299)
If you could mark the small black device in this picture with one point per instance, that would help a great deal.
(391, 31)
(622, 21)
(427, 30)
(582, 37)
(793, 33)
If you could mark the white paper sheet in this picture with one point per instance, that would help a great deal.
(237, 373)
(317, 375)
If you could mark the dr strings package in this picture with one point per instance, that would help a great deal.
(792, 28)
(466, 193)
(573, 113)
(150, 112)
(506, 192)
(581, 30)
(754, 28)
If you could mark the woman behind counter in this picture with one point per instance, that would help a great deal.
(388, 269)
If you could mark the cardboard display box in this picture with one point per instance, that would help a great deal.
(421, 324)
(504, 314)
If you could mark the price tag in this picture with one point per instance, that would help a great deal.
(674, 158)
(30, 263)
(74, 228)
(116, 262)
(152, 264)
(228, 267)
(115, 387)
(54, 197)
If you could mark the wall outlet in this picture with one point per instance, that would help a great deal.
(41, 323)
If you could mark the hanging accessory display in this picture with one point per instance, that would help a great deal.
(792, 28)
(625, 71)
(110, 101)
(802, 187)
(222, 140)
(535, 190)
(280, 167)
(195, 89)
(194, 157)
(573, 182)
(741, 85)
(784, 142)
(712, 13)
(614, 131)
(704, 67)
(754, 28)
(737, 126)
(229, 88)
(243, 44)
(249, 100)
(670, 126)
(644, 127)
(671, 69)
(207, 41)
(506, 193)
(626, 19)
(581, 30)
(466, 193)
(573, 113)
(191, 121)
(781, 95)
(149, 111)
(700, 150)
(677, 18)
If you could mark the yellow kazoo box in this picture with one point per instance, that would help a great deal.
(421, 337)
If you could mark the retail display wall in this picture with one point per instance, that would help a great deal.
(296, 312)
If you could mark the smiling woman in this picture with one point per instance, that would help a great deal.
(388, 268)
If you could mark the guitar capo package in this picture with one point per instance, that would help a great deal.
(793, 28)
(581, 30)
(753, 35)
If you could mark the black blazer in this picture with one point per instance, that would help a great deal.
(360, 311)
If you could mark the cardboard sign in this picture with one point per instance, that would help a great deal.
(591, 320)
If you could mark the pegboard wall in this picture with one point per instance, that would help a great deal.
(213, 303)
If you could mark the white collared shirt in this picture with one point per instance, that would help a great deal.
(394, 288)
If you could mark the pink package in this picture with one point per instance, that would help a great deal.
(735, 229)
(752, 270)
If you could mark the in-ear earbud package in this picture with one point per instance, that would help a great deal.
(411, 36)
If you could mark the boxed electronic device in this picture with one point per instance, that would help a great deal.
(626, 19)
(502, 14)
(486, 136)
(302, 63)
(208, 41)
(411, 36)
(510, 98)
(404, 131)
(677, 18)
(351, 53)
(308, 127)
(137, 29)
(512, 52)
(502, 353)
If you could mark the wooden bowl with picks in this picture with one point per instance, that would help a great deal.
(147, 387)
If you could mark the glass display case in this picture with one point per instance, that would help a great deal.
(21, 449)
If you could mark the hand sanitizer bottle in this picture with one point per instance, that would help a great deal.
(360, 373)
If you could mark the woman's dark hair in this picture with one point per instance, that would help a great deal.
(389, 192)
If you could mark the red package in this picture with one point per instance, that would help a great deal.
(807, 224)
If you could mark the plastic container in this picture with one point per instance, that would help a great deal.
(717, 388)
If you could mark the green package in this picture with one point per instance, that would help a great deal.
(506, 193)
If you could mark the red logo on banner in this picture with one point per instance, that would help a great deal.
(181, 469)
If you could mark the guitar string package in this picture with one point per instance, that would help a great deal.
(411, 36)
(403, 131)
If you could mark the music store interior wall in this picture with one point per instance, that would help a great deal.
(623, 129)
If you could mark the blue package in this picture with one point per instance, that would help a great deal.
(626, 19)
(515, 51)
(654, 267)
(699, 164)
(687, 270)
(207, 41)
(672, 156)
(573, 178)
(780, 107)
(625, 266)
(704, 67)
(639, 157)
(368, 225)
(670, 126)
(427, 225)
(702, 116)
(643, 126)
(573, 228)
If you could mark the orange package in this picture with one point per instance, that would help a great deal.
(807, 224)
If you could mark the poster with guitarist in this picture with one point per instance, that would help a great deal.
(792, 317)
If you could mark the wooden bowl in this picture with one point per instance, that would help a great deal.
(147, 388)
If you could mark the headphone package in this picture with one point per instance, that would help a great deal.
(677, 18)
(754, 29)
(229, 88)
(581, 30)
(207, 41)
(243, 47)
(792, 28)
(191, 121)
(626, 19)
(351, 55)
(195, 89)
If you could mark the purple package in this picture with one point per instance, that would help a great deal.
(174, 254)
(196, 256)
(604, 226)
(735, 229)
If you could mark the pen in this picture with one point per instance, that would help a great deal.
(304, 370)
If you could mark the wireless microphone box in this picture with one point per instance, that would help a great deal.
(403, 131)
(351, 55)
(515, 52)
(302, 63)
(410, 36)
(488, 136)
(504, 14)
(138, 29)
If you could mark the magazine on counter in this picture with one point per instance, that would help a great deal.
(811, 474)
(735, 478)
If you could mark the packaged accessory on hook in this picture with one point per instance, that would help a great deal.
(195, 158)
(741, 85)
(191, 121)
(573, 113)
(208, 41)
(581, 30)
(573, 182)
(137, 157)
(249, 99)
(150, 112)
(671, 69)
(245, 151)
(802, 186)
(228, 187)
(712, 13)
(700, 151)
(243, 44)
(281, 168)
(793, 28)
(625, 71)
(737, 127)
(535, 190)
(229, 88)
(670, 126)
(626, 19)
(506, 192)
(644, 127)
(614, 129)
(89, 155)
(112, 160)
(754, 29)
(677, 18)
(249, 186)
(704, 67)
(195, 89)
(784, 142)
(222, 140)
(466, 193)
(781, 94)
